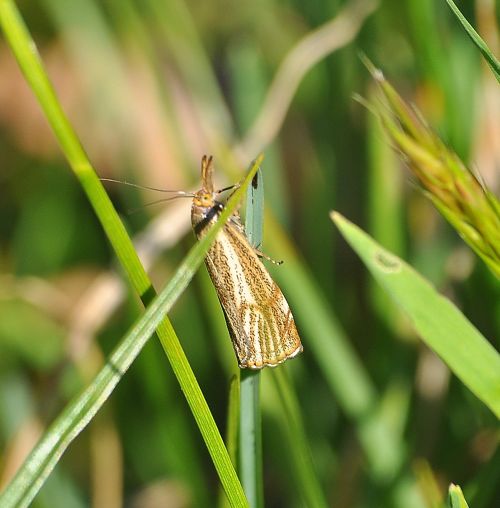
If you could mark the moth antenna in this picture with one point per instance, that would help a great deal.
(152, 203)
(145, 187)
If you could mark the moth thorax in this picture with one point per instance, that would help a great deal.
(202, 217)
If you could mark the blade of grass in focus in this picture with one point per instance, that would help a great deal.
(438, 322)
(23, 48)
(250, 439)
(111, 103)
(250, 424)
(477, 40)
(248, 92)
(78, 413)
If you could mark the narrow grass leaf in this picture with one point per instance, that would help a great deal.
(306, 475)
(439, 323)
(477, 40)
(250, 428)
(24, 49)
(250, 438)
(254, 210)
(79, 413)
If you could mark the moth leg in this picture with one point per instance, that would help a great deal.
(261, 254)
(231, 187)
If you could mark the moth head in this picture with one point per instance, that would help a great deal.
(204, 199)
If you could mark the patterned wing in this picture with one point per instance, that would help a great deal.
(259, 319)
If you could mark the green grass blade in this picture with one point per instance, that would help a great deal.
(305, 473)
(439, 323)
(456, 497)
(30, 63)
(78, 414)
(250, 433)
(477, 40)
(254, 211)
(250, 438)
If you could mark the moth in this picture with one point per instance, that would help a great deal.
(260, 323)
(258, 317)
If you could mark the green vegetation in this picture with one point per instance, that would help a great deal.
(395, 400)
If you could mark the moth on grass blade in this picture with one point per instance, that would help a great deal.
(258, 317)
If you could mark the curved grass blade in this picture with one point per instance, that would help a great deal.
(31, 65)
(78, 413)
(438, 322)
(477, 40)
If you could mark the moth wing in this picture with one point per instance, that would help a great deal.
(272, 331)
(226, 299)
(259, 319)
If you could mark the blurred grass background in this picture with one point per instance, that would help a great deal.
(150, 87)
